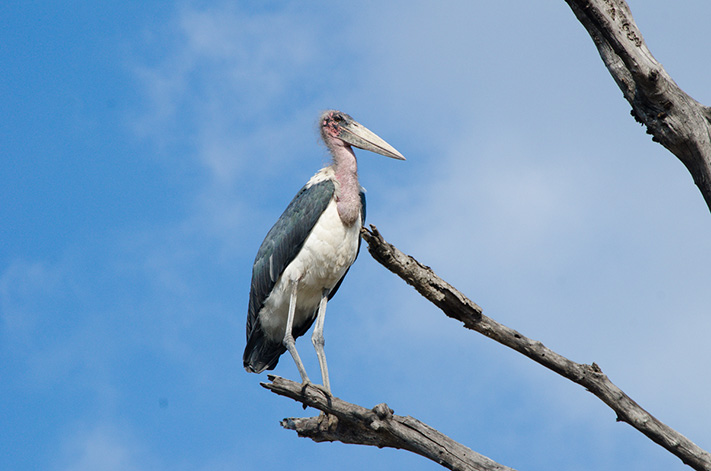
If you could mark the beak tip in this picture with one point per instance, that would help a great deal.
(392, 153)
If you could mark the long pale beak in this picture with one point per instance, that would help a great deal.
(361, 137)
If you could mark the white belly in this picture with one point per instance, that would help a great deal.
(323, 260)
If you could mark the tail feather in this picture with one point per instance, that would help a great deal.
(261, 354)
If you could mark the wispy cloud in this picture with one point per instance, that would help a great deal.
(103, 448)
(228, 81)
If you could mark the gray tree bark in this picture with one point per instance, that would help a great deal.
(354, 424)
(455, 305)
(673, 118)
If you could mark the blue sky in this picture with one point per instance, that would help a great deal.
(147, 148)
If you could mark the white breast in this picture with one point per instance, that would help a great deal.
(326, 255)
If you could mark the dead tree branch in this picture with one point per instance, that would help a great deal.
(673, 118)
(354, 424)
(455, 305)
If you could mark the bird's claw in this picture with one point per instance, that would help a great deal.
(307, 383)
(323, 389)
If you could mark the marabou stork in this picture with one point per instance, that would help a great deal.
(308, 252)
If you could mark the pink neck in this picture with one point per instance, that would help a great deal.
(346, 168)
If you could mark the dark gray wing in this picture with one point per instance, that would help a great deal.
(281, 245)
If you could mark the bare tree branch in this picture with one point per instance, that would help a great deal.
(673, 118)
(455, 305)
(354, 424)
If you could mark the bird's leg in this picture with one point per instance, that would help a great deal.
(318, 340)
(289, 342)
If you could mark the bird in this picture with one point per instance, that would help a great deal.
(307, 253)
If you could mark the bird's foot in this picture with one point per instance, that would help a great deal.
(306, 383)
(324, 389)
